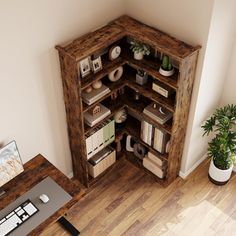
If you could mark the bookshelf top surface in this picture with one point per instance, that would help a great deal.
(127, 26)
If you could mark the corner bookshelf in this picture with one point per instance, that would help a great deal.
(119, 32)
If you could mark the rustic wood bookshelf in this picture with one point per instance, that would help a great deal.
(119, 32)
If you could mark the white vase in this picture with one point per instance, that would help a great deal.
(166, 72)
(138, 55)
(218, 176)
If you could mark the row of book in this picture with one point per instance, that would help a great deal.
(154, 136)
(100, 137)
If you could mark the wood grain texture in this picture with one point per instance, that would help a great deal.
(155, 38)
(93, 41)
(180, 117)
(181, 82)
(133, 204)
(35, 171)
(74, 114)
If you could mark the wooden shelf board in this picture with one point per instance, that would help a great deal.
(147, 92)
(152, 67)
(137, 108)
(108, 66)
(93, 41)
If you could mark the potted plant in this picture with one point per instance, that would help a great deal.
(166, 67)
(222, 147)
(139, 49)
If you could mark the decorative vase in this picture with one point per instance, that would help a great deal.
(138, 55)
(166, 72)
(218, 176)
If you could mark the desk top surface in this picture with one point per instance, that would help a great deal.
(35, 171)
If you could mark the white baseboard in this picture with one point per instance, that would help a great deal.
(234, 169)
(183, 175)
(70, 175)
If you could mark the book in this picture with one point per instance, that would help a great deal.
(160, 140)
(89, 146)
(153, 167)
(158, 113)
(94, 95)
(91, 120)
(111, 131)
(162, 89)
(146, 132)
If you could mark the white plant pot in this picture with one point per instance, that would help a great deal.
(218, 176)
(166, 72)
(138, 55)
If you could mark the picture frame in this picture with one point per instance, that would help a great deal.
(84, 67)
(97, 64)
(10, 162)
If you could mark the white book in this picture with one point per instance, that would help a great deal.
(111, 131)
(149, 136)
(100, 139)
(144, 131)
(95, 142)
(155, 146)
(106, 134)
(89, 147)
(159, 137)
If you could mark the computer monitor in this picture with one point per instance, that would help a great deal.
(10, 163)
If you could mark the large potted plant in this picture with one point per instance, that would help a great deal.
(139, 49)
(222, 147)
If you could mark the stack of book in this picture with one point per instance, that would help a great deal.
(100, 137)
(158, 113)
(154, 164)
(92, 120)
(95, 94)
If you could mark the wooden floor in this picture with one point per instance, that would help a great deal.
(129, 202)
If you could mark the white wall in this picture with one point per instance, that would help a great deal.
(229, 94)
(31, 99)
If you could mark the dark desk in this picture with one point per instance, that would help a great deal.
(35, 171)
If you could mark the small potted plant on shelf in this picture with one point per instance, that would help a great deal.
(166, 67)
(139, 49)
(222, 148)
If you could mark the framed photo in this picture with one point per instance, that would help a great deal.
(84, 67)
(10, 163)
(97, 64)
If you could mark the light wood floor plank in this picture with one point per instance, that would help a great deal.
(128, 202)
